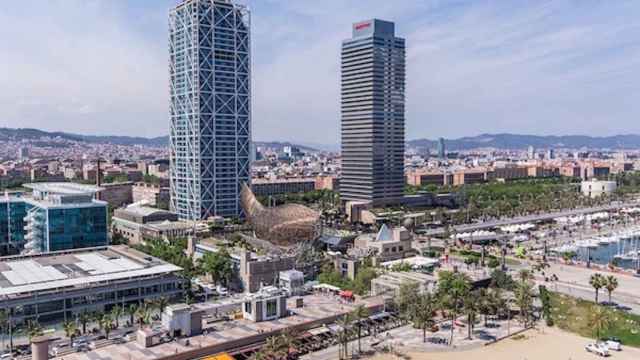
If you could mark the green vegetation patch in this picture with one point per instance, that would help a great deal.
(576, 315)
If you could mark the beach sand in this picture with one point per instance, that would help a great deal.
(543, 344)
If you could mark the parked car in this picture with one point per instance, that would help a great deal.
(597, 349)
(613, 343)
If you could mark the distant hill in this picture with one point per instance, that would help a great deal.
(160, 141)
(516, 141)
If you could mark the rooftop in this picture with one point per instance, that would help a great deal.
(64, 188)
(76, 268)
(143, 210)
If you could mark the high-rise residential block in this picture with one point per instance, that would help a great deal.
(210, 134)
(373, 105)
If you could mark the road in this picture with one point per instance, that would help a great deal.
(574, 281)
(527, 218)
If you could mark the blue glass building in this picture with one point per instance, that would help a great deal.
(57, 216)
(210, 115)
(12, 213)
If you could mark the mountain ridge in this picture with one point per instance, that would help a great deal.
(520, 141)
(18, 134)
(486, 140)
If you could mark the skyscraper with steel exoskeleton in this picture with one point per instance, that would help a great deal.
(210, 95)
(373, 83)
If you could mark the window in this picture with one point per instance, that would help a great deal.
(272, 308)
(393, 249)
(400, 248)
(247, 307)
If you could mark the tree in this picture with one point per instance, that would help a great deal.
(4, 324)
(344, 335)
(611, 283)
(84, 318)
(217, 265)
(470, 308)
(359, 314)
(493, 263)
(33, 329)
(106, 322)
(116, 314)
(524, 299)
(452, 289)
(131, 311)
(600, 320)
(362, 281)
(501, 280)
(597, 281)
(70, 329)
(162, 303)
(408, 295)
(143, 315)
(423, 313)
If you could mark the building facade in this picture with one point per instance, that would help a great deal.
(373, 96)
(210, 132)
(12, 213)
(94, 279)
(63, 216)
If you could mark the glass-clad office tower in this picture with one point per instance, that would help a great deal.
(56, 216)
(210, 133)
(12, 213)
(63, 216)
(372, 89)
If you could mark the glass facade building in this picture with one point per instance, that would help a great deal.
(210, 115)
(57, 216)
(372, 110)
(12, 213)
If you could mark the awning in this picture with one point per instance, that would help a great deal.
(346, 293)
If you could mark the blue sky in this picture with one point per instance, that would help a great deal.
(536, 67)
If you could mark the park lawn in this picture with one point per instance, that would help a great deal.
(572, 315)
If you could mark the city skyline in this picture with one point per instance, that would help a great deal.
(576, 59)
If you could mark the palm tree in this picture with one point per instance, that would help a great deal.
(70, 329)
(452, 289)
(524, 299)
(143, 313)
(33, 329)
(116, 313)
(162, 303)
(84, 319)
(343, 335)
(131, 311)
(424, 313)
(600, 320)
(106, 323)
(611, 283)
(359, 314)
(4, 324)
(597, 281)
(470, 308)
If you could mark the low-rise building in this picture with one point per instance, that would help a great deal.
(60, 285)
(132, 222)
(269, 303)
(389, 283)
(151, 194)
(266, 187)
(116, 194)
(595, 188)
(387, 244)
